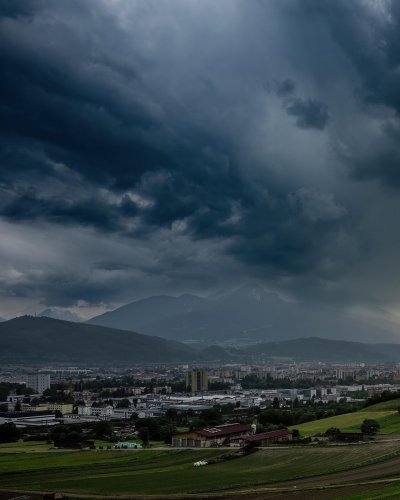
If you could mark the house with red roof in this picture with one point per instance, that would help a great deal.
(266, 438)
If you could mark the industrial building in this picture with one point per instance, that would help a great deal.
(29, 419)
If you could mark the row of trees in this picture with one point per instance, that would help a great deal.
(368, 426)
(381, 398)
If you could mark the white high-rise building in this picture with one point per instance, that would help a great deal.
(38, 382)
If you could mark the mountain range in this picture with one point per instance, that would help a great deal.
(245, 316)
(42, 340)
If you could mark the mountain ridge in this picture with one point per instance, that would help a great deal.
(46, 340)
(246, 315)
(42, 340)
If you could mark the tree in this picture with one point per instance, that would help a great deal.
(332, 430)
(211, 417)
(370, 427)
(295, 434)
(275, 403)
(124, 403)
(9, 433)
(144, 435)
(166, 432)
(103, 429)
(172, 414)
(134, 416)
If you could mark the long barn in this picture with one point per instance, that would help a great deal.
(207, 437)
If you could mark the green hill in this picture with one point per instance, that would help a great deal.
(346, 422)
(393, 404)
(389, 424)
(45, 340)
(385, 414)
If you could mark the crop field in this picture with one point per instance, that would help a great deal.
(163, 472)
(388, 491)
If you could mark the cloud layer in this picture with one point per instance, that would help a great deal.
(154, 147)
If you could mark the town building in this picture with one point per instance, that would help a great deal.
(29, 419)
(196, 380)
(39, 382)
(63, 408)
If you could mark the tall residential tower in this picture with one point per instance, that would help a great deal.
(196, 380)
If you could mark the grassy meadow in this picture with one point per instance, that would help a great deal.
(163, 472)
(24, 446)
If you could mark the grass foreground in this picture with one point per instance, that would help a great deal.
(169, 472)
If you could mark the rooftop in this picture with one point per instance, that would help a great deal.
(268, 435)
(223, 430)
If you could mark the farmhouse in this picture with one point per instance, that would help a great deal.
(266, 438)
(352, 437)
(221, 435)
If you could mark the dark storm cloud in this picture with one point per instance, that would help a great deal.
(91, 212)
(285, 88)
(308, 113)
(68, 99)
(200, 138)
(368, 33)
(16, 8)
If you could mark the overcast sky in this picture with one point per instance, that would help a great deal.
(177, 146)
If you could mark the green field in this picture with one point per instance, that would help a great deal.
(163, 472)
(347, 422)
(385, 413)
(386, 405)
(22, 446)
(389, 424)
